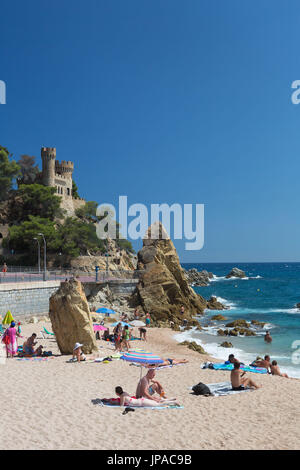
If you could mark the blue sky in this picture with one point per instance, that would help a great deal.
(166, 101)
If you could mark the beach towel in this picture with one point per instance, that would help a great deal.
(99, 402)
(256, 370)
(33, 358)
(224, 388)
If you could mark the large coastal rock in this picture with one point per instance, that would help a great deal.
(236, 272)
(198, 278)
(71, 318)
(163, 287)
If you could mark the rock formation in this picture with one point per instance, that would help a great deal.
(226, 344)
(198, 278)
(71, 318)
(236, 272)
(163, 288)
(214, 304)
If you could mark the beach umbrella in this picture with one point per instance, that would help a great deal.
(141, 358)
(97, 327)
(138, 323)
(107, 311)
(122, 323)
(8, 318)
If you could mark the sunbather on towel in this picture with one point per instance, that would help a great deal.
(169, 362)
(238, 381)
(124, 399)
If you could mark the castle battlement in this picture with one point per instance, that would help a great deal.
(54, 172)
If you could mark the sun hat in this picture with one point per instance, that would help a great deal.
(77, 345)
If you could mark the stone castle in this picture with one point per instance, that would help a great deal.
(59, 175)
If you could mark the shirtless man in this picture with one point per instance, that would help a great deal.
(266, 363)
(28, 346)
(268, 338)
(238, 381)
(276, 371)
(144, 389)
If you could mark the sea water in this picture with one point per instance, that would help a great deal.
(268, 294)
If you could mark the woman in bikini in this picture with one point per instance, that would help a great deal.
(124, 399)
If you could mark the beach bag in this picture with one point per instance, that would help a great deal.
(5, 338)
(201, 389)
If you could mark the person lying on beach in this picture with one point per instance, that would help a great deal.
(238, 381)
(265, 363)
(124, 399)
(77, 353)
(147, 390)
(231, 360)
(169, 362)
(276, 371)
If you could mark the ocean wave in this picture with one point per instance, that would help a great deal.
(226, 302)
(233, 278)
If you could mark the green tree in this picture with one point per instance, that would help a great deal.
(9, 170)
(29, 170)
(87, 212)
(21, 237)
(34, 200)
(77, 237)
(75, 194)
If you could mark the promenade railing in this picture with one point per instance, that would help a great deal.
(100, 276)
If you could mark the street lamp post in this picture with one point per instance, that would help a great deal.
(39, 254)
(45, 255)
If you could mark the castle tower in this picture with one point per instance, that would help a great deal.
(48, 155)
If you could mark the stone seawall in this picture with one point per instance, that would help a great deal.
(26, 298)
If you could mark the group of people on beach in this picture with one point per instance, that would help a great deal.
(272, 367)
(149, 392)
(9, 338)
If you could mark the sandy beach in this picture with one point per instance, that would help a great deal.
(48, 404)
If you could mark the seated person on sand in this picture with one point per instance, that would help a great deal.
(77, 353)
(145, 389)
(238, 381)
(169, 362)
(28, 345)
(265, 363)
(276, 371)
(124, 399)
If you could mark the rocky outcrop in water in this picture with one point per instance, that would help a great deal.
(236, 272)
(198, 278)
(163, 287)
(214, 304)
(71, 318)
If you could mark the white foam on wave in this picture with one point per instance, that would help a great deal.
(226, 302)
(214, 349)
(233, 278)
